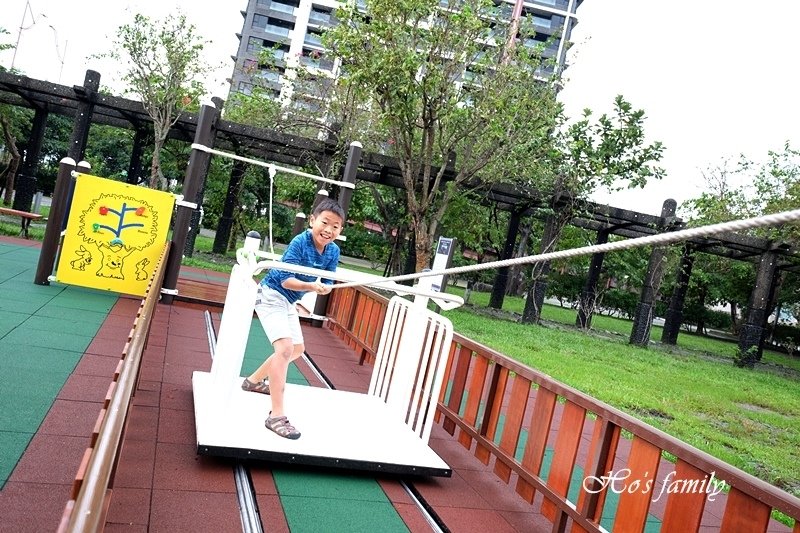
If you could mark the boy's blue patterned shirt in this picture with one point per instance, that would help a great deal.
(301, 251)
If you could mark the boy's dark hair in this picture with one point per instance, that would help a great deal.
(329, 205)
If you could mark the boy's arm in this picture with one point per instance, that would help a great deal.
(289, 281)
(331, 265)
(294, 284)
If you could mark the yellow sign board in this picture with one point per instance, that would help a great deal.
(115, 235)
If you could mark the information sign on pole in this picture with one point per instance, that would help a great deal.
(441, 261)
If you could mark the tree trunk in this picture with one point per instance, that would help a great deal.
(701, 321)
(734, 317)
(157, 180)
(155, 167)
(515, 273)
(468, 292)
(13, 164)
(554, 224)
(422, 244)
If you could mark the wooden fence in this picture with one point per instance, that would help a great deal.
(593, 467)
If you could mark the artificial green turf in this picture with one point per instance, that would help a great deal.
(44, 331)
(27, 307)
(86, 299)
(25, 406)
(323, 501)
(318, 501)
(315, 514)
(38, 360)
(76, 315)
(42, 337)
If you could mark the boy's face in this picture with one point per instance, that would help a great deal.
(325, 227)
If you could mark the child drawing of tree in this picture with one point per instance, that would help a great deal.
(118, 226)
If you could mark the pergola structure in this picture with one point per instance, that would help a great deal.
(87, 105)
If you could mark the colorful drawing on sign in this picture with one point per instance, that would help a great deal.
(115, 235)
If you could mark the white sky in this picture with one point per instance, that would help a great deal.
(716, 78)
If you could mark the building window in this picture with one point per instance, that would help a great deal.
(315, 58)
(313, 39)
(319, 16)
(245, 88)
(270, 75)
(542, 21)
(260, 21)
(283, 8)
(264, 23)
(254, 45)
(249, 65)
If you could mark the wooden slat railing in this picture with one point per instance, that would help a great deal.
(554, 438)
(88, 504)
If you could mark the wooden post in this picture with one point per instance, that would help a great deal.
(645, 309)
(501, 278)
(197, 214)
(83, 114)
(52, 232)
(350, 169)
(195, 175)
(344, 197)
(135, 163)
(26, 181)
(80, 130)
(672, 322)
(751, 336)
(299, 224)
(589, 293)
(225, 225)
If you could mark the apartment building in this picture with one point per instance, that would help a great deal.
(292, 30)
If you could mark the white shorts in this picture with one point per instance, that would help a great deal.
(278, 317)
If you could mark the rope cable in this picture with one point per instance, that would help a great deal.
(272, 172)
(265, 164)
(656, 240)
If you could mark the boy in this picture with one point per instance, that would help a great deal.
(275, 307)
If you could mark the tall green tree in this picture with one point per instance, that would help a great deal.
(612, 153)
(777, 188)
(738, 189)
(10, 157)
(453, 100)
(718, 280)
(162, 64)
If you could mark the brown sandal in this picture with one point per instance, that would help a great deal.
(281, 426)
(261, 387)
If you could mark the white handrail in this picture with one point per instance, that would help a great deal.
(248, 258)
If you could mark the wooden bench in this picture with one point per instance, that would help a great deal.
(24, 215)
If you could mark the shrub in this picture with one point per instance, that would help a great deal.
(365, 244)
